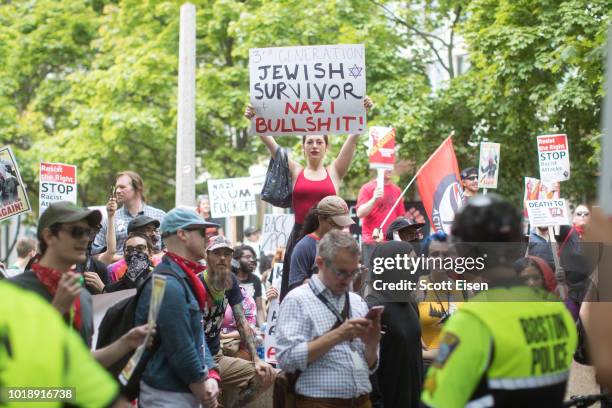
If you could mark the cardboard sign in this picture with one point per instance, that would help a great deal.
(536, 189)
(58, 182)
(311, 90)
(553, 156)
(488, 166)
(13, 196)
(231, 197)
(276, 231)
(381, 147)
(270, 338)
(547, 213)
(157, 295)
(605, 178)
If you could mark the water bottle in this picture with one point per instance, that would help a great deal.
(259, 345)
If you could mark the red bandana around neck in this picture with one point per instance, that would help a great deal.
(191, 269)
(50, 279)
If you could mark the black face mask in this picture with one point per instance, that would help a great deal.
(138, 264)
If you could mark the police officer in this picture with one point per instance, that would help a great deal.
(501, 349)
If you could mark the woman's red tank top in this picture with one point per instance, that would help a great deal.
(307, 193)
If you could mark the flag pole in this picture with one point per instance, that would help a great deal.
(412, 181)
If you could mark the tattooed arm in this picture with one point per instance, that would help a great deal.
(264, 371)
(245, 331)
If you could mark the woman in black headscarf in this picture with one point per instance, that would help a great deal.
(398, 380)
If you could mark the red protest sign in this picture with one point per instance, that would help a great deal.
(381, 153)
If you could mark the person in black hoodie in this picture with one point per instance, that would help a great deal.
(398, 380)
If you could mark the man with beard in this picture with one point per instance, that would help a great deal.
(129, 191)
(250, 377)
(243, 265)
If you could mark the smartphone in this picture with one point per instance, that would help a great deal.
(374, 311)
(113, 191)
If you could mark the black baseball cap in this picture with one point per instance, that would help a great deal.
(63, 212)
(141, 221)
(250, 231)
(399, 224)
(467, 172)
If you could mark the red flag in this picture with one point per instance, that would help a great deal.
(440, 186)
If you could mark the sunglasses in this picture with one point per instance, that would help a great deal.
(472, 178)
(78, 232)
(137, 248)
(582, 214)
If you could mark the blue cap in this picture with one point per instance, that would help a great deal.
(183, 218)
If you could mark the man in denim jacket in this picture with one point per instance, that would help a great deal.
(181, 371)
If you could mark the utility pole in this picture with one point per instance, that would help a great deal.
(185, 140)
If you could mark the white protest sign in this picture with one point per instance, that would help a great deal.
(605, 179)
(547, 213)
(232, 197)
(309, 90)
(270, 338)
(276, 231)
(488, 166)
(13, 197)
(553, 156)
(58, 182)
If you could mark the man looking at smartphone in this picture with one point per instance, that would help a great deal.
(326, 333)
(129, 192)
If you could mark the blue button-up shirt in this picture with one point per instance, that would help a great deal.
(122, 219)
(303, 317)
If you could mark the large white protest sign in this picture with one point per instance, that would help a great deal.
(232, 197)
(13, 196)
(553, 156)
(605, 179)
(488, 166)
(276, 231)
(58, 182)
(309, 90)
(547, 213)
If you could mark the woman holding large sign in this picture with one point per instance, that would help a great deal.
(312, 182)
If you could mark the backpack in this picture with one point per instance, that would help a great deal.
(117, 321)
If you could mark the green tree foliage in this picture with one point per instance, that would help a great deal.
(94, 83)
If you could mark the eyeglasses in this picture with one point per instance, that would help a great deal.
(78, 232)
(137, 248)
(341, 273)
(582, 214)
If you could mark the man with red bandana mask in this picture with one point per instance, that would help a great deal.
(64, 231)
